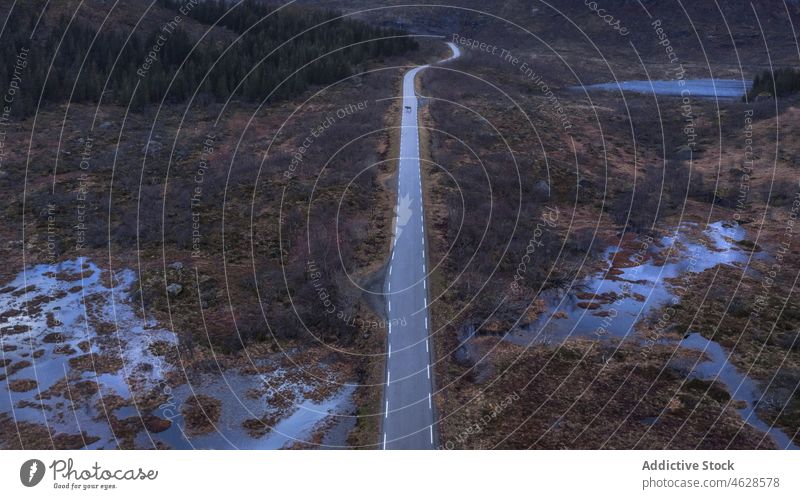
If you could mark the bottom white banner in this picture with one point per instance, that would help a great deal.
(374, 473)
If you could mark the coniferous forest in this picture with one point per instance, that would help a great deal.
(778, 83)
(273, 55)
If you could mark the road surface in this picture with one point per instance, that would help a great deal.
(408, 408)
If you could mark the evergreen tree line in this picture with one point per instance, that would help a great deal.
(123, 63)
(781, 82)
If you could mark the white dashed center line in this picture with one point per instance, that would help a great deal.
(409, 172)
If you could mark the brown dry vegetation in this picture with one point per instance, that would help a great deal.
(623, 165)
(21, 435)
(584, 395)
(246, 283)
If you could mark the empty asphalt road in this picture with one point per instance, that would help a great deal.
(409, 418)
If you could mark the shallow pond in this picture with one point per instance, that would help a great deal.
(702, 88)
(76, 354)
(740, 386)
(639, 279)
(611, 302)
(244, 398)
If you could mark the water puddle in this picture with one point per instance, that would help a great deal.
(62, 350)
(740, 386)
(258, 412)
(610, 303)
(703, 88)
(78, 360)
(606, 306)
